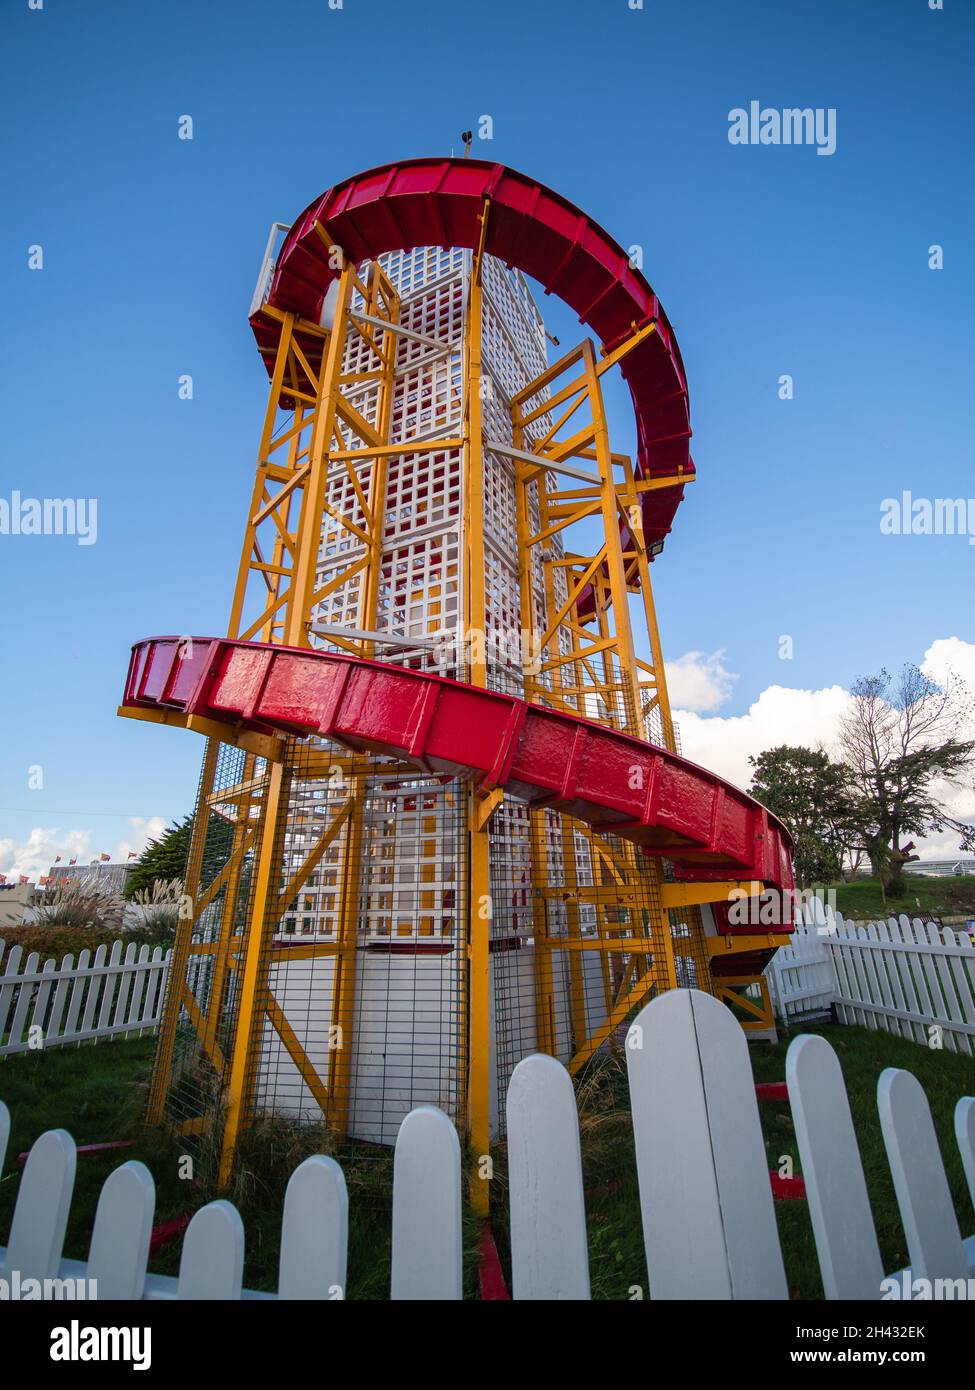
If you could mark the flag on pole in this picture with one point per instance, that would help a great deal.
(104, 857)
(3, 878)
(57, 859)
(24, 879)
(74, 860)
(132, 854)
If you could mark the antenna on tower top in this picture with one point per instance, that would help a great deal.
(468, 139)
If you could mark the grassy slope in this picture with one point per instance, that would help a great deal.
(927, 897)
(98, 1093)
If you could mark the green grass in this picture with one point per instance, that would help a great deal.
(863, 1055)
(99, 1093)
(925, 897)
(616, 1257)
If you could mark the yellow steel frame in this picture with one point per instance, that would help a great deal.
(475, 617)
(279, 560)
(731, 990)
(588, 665)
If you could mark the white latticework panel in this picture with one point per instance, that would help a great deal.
(410, 896)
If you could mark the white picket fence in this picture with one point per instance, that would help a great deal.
(108, 995)
(904, 976)
(708, 1220)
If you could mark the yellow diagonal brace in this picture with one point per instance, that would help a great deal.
(295, 1051)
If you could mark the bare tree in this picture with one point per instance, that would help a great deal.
(902, 740)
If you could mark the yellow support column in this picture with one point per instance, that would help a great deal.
(301, 593)
(250, 1014)
(176, 979)
(538, 829)
(614, 551)
(343, 982)
(479, 893)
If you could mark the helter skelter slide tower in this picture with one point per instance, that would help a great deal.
(442, 819)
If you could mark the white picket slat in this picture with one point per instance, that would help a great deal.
(878, 962)
(94, 979)
(110, 981)
(704, 1183)
(920, 1184)
(549, 1245)
(8, 985)
(44, 989)
(964, 980)
(43, 1203)
(908, 1029)
(212, 1262)
(65, 975)
(859, 961)
(922, 936)
(155, 989)
(136, 1002)
(124, 985)
(841, 965)
(427, 1238)
(956, 1036)
(19, 1019)
(906, 976)
(836, 1190)
(119, 1250)
(77, 992)
(965, 1137)
(872, 967)
(314, 1232)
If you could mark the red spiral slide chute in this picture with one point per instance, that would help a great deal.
(609, 780)
(440, 202)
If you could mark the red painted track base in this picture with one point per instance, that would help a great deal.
(490, 1276)
(615, 783)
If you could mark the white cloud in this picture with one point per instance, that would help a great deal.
(782, 714)
(144, 829)
(951, 657)
(699, 682)
(35, 855)
(779, 715)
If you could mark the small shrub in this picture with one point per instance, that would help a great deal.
(55, 942)
(80, 902)
(159, 910)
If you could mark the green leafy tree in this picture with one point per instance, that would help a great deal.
(164, 858)
(812, 794)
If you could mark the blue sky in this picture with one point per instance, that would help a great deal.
(769, 260)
